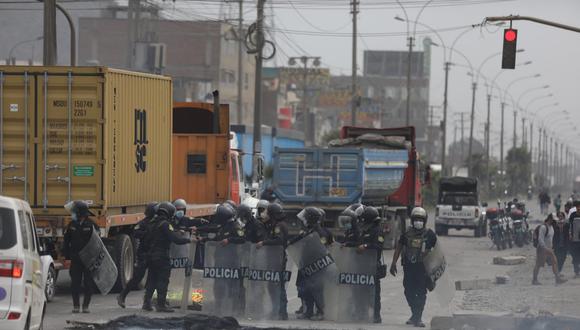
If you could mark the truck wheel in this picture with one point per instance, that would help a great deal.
(124, 260)
(441, 231)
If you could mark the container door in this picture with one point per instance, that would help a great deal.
(296, 175)
(16, 135)
(70, 142)
(339, 176)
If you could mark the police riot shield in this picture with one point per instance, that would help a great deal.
(356, 284)
(576, 230)
(265, 275)
(223, 278)
(318, 269)
(435, 266)
(179, 253)
(98, 261)
(179, 256)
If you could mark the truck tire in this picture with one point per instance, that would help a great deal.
(441, 230)
(124, 258)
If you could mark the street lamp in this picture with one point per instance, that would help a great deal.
(307, 125)
(13, 61)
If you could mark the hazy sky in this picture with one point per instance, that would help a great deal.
(555, 53)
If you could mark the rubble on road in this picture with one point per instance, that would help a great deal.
(502, 279)
(185, 322)
(508, 261)
(480, 284)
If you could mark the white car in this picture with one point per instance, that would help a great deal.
(22, 280)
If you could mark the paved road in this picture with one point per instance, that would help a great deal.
(469, 258)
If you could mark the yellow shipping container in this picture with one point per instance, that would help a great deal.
(92, 133)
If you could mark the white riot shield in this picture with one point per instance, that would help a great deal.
(223, 278)
(356, 284)
(435, 266)
(265, 276)
(182, 265)
(319, 270)
(179, 254)
(99, 263)
(576, 230)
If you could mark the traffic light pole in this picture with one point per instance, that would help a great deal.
(532, 19)
(487, 140)
(444, 128)
(472, 119)
(501, 139)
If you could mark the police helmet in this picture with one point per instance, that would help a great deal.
(357, 208)
(275, 211)
(231, 203)
(167, 209)
(262, 205)
(347, 218)
(80, 208)
(151, 209)
(370, 214)
(244, 211)
(419, 213)
(180, 204)
(310, 216)
(224, 213)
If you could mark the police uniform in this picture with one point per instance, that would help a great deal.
(372, 237)
(414, 243)
(351, 237)
(160, 235)
(276, 234)
(232, 232)
(254, 230)
(140, 267)
(77, 235)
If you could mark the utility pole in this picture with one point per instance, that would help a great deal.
(49, 33)
(257, 143)
(531, 140)
(240, 61)
(462, 138)
(539, 162)
(408, 118)
(487, 140)
(472, 121)
(444, 128)
(515, 128)
(501, 138)
(523, 132)
(562, 178)
(355, 98)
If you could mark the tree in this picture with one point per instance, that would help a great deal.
(518, 169)
(329, 136)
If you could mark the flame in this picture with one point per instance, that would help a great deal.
(197, 296)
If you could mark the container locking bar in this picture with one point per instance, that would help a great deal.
(69, 104)
(26, 136)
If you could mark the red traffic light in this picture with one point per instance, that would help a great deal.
(510, 35)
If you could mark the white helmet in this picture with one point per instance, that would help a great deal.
(419, 213)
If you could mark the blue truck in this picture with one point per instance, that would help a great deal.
(360, 167)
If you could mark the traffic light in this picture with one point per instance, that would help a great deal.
(510, 39)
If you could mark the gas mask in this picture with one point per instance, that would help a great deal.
(179, 214)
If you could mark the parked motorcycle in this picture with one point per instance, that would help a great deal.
(496, 233)
(519, 230)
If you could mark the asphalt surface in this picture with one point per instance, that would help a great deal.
(468, 258)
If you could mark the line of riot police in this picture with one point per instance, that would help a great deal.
(244, 259)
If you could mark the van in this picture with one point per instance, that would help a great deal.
(22, 279)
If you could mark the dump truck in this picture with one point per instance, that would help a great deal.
(108, 137)
(378, 167)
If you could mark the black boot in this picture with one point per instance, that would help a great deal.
(147, 302)
(121, 300)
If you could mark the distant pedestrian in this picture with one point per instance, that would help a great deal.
(574, 243)
(558, 203)
(561, 241)
(544, 251)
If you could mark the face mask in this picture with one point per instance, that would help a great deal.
(265, 216)
(179, 214)
(348, 226)
(74, 217)
(418, 225)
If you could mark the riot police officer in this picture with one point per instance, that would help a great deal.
(253, 229)
(77, 234)
(261, 209)
(182, 221)
(160, 235)
(311, 219)
(348, 219)
(276, 234)
(230, 231)
(140, 266)
(413, 244)
(372, 238)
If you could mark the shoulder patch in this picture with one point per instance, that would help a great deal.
(277, 230)
(240, 232)
(323, 240)
(381, 239)
(170, 227)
